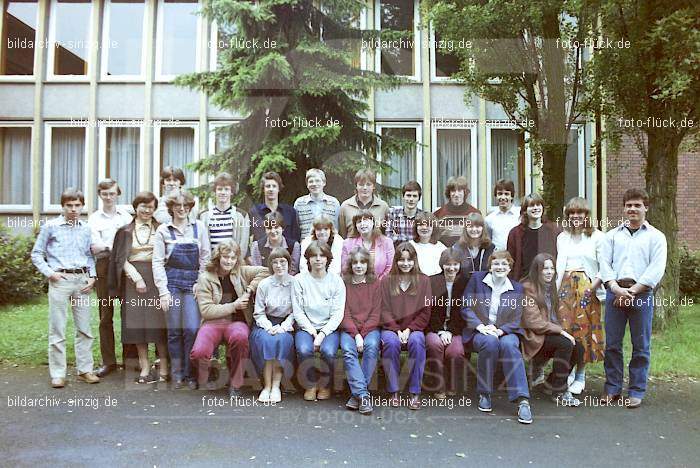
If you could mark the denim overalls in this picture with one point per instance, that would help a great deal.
(182, 270)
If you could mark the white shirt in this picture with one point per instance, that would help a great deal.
(496, 292)
(582, 254)
(499, 224)
(429, 257)
(104, 227)
(641, 257)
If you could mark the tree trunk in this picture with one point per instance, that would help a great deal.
(553, 177)
(661, 185)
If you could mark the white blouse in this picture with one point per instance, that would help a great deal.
(580, 254)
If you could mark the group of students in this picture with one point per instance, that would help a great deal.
(280, 283)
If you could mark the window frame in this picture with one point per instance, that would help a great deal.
(48, 138)
(433, 62)
(32, 77)
(14, 207)
(159, 75)
(104, 53)
(471, 125)
(417, 41)
(157, 156)
(418, 126)
(501, 125)
(102, 155)
(51, 58)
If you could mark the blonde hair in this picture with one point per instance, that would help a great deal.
(574, 205)
(226, 247)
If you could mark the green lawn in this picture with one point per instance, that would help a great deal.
(24, 340)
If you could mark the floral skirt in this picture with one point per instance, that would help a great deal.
(580, 314)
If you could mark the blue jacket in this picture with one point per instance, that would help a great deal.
(475, 310)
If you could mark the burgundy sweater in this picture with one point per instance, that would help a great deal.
(362, 308)
(406, 311)
(452, 220)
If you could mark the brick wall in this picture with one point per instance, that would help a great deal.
(624, 172)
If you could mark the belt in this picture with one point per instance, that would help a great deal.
(626, 282)
(73, 270)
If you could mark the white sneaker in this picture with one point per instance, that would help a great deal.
(264, 396)
(577, 387)
(275, 395)
(570, 379)
(538, 379)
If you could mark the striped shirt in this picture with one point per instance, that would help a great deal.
(220, 225)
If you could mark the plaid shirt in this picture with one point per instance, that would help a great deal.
(399, 227)
(61, 246)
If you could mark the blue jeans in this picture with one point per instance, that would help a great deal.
(183, 323)
(391, 358)
(360, 375)
(639, 315)
(308, 375)
(505, 349)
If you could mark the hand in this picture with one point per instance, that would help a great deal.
(487, 330)
(242, 302)
(318, 340)
(359, 342)
(57, 277)
(499, 332)
(165, 302)
(141, 286)
(88, 286)
(445, 337)
(274, 330)
(95, 249)
(194, 289)
(622, 292)
(568, 337)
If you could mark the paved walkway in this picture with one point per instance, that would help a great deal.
(120, 424)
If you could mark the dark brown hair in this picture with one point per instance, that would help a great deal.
(71, 194)
(106, 184)
(271, 175)
(529, 200)
(503, 185)
(278, 252)
(533, 277)
(635, 194)
(426, 217)
(412, 186)
(144, 197)
(223, 180)
(175, 172)
(457, 183)
(395, 273)
(365, 214)
(316, 247)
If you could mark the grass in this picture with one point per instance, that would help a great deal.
(24, 340)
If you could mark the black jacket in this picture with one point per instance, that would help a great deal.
(439, 309)
(120, 254)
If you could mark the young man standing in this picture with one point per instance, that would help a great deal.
(104, 224)
(316, 203)
(506, 217)
(452, 215)
(271, 183)
(400, 220)
(632, 264)
(225, 221)
(62, 254)
(363, 199)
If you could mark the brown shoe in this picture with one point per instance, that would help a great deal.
(607, 400)
(324, 393)
(394, 400)
(58, 383)
(414, 402)
(310, 394)
(89, 377)
(633, 402)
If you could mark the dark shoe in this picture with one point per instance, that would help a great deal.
(58, 383)
(524, 412)
(143, 379)
(485, 403)
(88, 377)
(105, 370)
(633, 402)
(366, 405)
(192, 385)
(234, 393)
(566, 399)
(353, 403)
(179, 384)
(414, 402)
(607, 400)
(394, 400)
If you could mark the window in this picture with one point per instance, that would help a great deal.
(222, 35)
(509, 158)
(177, 148)
(454, 154)
(406, 165)
(120, 158)
(19, 34)
(65, 166)
(178, 30)
(443, 64)
(69, 48)
(122, 45)
(575, 165)
(15, 166)
(345, 40)
(401, 55)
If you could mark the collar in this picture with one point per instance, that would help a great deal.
(138, 223)
(227, 210)
(368, 204)
(306, 199)
(281, 283)
(623, 226)
(513, 211)
(284, 242)
(62, 221)
(118, 212)
(187, 225)
(488, 280)
(364, 281)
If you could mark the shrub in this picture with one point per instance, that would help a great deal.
(690, 273)
(19, 278)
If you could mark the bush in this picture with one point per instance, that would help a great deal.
(690, 273)
(19, 278)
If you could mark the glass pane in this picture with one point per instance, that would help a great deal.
(454, 153)
(572, 160)
(397, 15)
(15, 165)
(179, 36)
(177, 150)
(225, 32)
(125, 37)
(19, 34)
(404, 164)
(445, 63)
(123, 150)
(72, 33)
(507, 159)
(67, 160)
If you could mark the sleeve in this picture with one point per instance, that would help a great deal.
(255, 257)
(132, 272)
(259, 315)
(88, 254)
(561, 259)
(243, 233)
(95, 238)
(338, 307)
(657, 262)
(372, 322)
(344, 253)
(348, 323)
(158, 262)
(469, 302)
(386, 317)
(39, 251)
(207, 307)
(298, 307)
(204, 247)
(296, 256)
(337, 213)
(606, 270)
(389, 255)
(296, 230)
(390, 226)
(254, 275)
(422, 316)
(532, 318)
(303, 266)
(513, 327)
(599, 246)
(342, 226)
